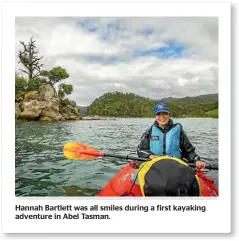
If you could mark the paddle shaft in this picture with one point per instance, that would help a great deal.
(102, 154)
(208, 166)
(126, 157)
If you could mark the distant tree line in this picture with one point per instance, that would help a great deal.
(118, 104)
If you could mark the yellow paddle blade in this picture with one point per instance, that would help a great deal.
(77, 151)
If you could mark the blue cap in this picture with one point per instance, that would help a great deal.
(161, 108)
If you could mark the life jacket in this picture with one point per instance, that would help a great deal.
(168, 176)
(166, 143)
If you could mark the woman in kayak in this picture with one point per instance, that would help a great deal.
(166, 138)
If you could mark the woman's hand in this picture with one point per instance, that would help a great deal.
(200, 165)
(152, 157)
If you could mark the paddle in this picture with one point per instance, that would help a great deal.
(78, 151)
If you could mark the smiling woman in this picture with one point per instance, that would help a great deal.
(166, 137)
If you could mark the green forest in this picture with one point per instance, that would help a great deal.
(119, 104)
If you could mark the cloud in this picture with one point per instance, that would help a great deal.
(152, 57)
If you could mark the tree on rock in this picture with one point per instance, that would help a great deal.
(56, 75)
(64, 90)
(30, 59)
(36, 76)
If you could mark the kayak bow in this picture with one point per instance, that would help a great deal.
(124, 183)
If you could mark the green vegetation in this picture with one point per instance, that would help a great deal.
(20, 83)
(55, 76)
(35, 76)
(130, 105)
(123, 105)
(212, 113)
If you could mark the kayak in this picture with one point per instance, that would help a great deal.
(125, 183)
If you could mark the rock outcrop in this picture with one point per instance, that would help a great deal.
(52, 110)
(17, 110)
(44, 105)
(31, 109)
(46, 93)
(70, 112)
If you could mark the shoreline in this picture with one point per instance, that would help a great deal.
(112, 118)
(107, 119)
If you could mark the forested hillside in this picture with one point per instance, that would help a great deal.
(118, 104)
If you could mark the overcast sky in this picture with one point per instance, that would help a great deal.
(151, 57)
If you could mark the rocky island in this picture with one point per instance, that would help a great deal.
(40, 94)
(44, 105)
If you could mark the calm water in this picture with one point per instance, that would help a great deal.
(42, 169)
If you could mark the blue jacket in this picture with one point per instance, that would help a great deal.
(165, 143)
(171, 140)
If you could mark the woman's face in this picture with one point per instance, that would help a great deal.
(162, 118)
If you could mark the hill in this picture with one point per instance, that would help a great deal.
(196, 106)
(206, 98)
(118, 104)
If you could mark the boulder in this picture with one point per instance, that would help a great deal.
(46, 92)
(51, 111)
(70, 113)
(44, 105)
(19, 96)
(44, 118)
(32, 95)
(31, 110)
(17, 110)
